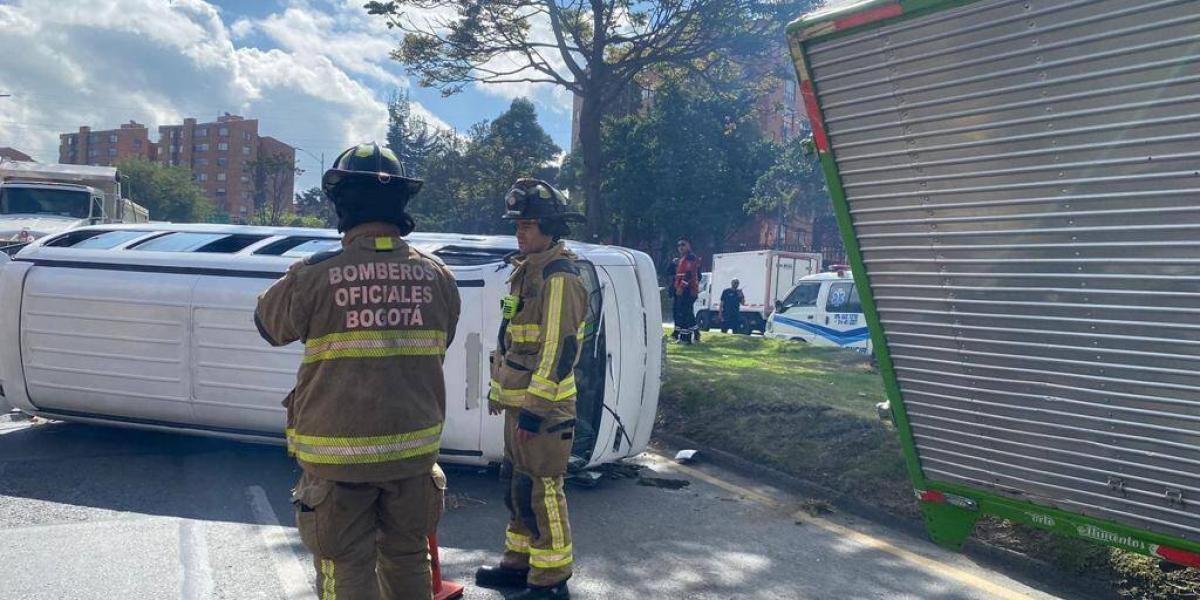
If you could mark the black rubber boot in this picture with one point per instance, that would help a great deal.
(534, 592)
(500, 577)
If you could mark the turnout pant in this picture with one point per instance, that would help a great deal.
(539, 534)
(684, 311)
(370, 540)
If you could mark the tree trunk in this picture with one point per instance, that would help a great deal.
(591, 114)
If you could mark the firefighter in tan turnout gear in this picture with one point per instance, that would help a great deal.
(365, 419)
(533, 383)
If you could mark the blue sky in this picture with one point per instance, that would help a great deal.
(316, 73)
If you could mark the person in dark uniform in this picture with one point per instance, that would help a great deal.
(730, 313)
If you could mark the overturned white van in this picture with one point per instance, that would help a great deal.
(151, 326)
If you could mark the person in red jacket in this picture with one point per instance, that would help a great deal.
(684, 287)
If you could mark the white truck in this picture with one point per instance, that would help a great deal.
(41, 199)
(765, 277)
(1016, 183)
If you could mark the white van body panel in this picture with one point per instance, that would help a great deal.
(166, 340)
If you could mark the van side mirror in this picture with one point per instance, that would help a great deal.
(779, 305)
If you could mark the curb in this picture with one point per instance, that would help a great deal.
(1010, 562)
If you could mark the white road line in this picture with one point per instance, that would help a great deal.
(11, 427)
(293, 578)
(197, 580)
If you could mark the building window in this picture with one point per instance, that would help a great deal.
(223, 146)
(202, 177)
(201, 162)
(245, 179)
(223, 132)
(202, 132)
(92, 139)
(220, 177)
(222, 162)
(246, 150)
(220, 191)
(112, 151)
(71, 140)
(112, 138)
(199, 147)
(137, 144)
(92, 152)
(246, 135)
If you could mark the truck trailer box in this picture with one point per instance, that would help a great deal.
(764, 276)
(1017, 185)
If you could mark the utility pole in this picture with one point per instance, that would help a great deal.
(314, 156)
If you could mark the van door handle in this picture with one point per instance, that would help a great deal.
(811, 318)
(826, 319)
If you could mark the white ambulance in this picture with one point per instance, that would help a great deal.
(823, 310)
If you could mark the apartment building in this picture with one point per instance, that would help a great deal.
(105, 147)
(220, 154)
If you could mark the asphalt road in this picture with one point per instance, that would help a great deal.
(98, 513)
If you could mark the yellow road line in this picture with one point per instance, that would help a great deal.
(927, 564)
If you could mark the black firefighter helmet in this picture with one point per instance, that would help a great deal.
(368, 183)
(535, 199)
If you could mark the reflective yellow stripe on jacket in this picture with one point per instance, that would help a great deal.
(554, 392)
(375, 344)
(525, 333)
(507, 397)
(553, 328)
(360, 450)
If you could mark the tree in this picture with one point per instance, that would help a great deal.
(594, 49)
(167, 192)
(408, 135)
(794, 185)
(465, 180)
(684, 167)
(312, 203)
(273, 177)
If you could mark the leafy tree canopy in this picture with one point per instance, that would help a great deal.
(168, 192)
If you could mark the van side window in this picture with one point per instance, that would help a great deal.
(220, 243)
(95, 239)
(843, 298)
(804, 294)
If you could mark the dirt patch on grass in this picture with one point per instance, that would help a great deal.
(810, 412)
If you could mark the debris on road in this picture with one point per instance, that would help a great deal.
(621, 470)
(587, 479)
(816, 508)
(684, 457)
(884, 410)
(663, 482)
(456, 501)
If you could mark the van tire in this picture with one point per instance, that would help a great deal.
(704, 320)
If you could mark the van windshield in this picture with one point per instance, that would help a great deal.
(43, 201)
(804, 294)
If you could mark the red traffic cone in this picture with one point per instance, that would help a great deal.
(442, 590)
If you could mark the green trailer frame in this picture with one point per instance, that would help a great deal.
(950, 510)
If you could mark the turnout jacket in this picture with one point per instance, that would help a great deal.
(540, 341)
(375, 317)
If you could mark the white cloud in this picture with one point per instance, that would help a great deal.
(104, 62)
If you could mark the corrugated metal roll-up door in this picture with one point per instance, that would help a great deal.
(1024, 181)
